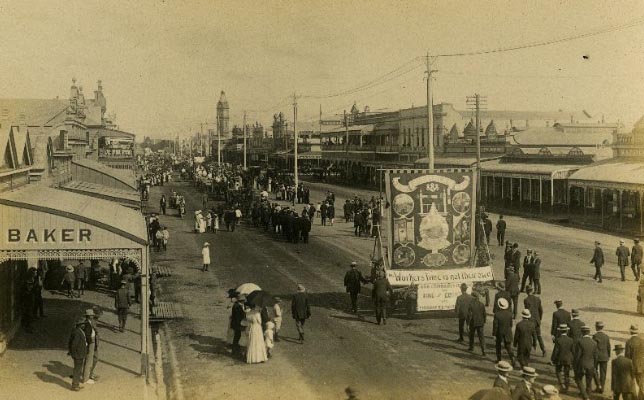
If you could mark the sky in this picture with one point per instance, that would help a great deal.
(164, 63)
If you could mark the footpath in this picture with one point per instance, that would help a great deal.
(36, 365)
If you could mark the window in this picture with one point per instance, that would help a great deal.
(544, 151)
(575, 152)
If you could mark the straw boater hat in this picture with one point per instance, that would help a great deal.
(503, 366)
(563, 328)
(634, 329)
(69, 268)
(550, 390)
(529, 372)
(301, 288)
(503, 303)
(354, 264)
(89, 313)
(575, 312)
(526, 314)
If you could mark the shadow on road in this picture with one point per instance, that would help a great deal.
(210, 345)
(610, 310)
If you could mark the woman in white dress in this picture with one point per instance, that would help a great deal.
(256, 351)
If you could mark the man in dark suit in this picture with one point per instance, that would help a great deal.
(622, 375)
(525, 389)
(635, 352)
(353, 281)
(598, 260)
(122, 304)
(462, 306)
(503, 368)
(512, 286)
(380, 295)
(527, 270)
(236, 318)
(476, 318)
(515, 258)
(585, 360)
(536, 272)
(500, 230)
(77, 347)
(502, 293)
(575, 325)
(622, 254)
(300, 310)
(533, 303)
(603, 356)
(502, 329)
(636, 258)
(561, 316)
(305, 227)
(562, 356)
(507, 256)
(523, 333)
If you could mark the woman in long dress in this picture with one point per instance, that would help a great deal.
(256, 351)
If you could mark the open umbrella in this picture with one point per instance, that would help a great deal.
(260, 298)
(247, 288)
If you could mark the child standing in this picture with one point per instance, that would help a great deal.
(277, 319)
(268, 338)
(215, 223)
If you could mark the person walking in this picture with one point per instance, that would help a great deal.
(77, 349)
(501, 293)
(353, 281)
(515, 258)
(237, 316)
(300, 310)
(165, 237)
(533, 303)
(562, 357)
(603, 356)
(205, 256)
(622, 375)
(585, 360)
(277, 317)
(575, 325)
(487, 228)
(502, 330)
(380, 295)
(527, 270)
(68, 281)
(636, 259)
(622, 254)
(503, 369)
(525, 390)
(476, 317)
(462, 307)
(598, 260)
(500, 230)
(82, 274)
(536, 272)
(512, 286)
(523, 334)
(91, 336)
(162, 204)
(122, 303)
(634, 351)
(256, 350)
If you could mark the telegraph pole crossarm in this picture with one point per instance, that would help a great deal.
(429, 61)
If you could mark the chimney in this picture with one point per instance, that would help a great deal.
(64, 140)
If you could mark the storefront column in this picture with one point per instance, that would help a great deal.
(601, 201)
(641, 212)
(520, 190)
(511, 194)
(530, 188)
(621, 208)
(502, 191)
(540, 195)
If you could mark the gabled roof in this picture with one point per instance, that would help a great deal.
(119, 175)
(491, 129)
(5, 144)
(31, 112)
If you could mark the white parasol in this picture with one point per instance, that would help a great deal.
(247, 288)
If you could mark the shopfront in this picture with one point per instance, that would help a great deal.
(39, 224)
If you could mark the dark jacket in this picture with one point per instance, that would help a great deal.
(603, 346)
(500, 225)
(585, 353)
(622, 254)
(380, 288)
(533, 303)
(237, 316)
(122, 298)
(77, 343)
(300, 306)
(515, 260)
(463, 305)
(523, 334)
(559, 317)
(575, 329)
(500, 383)
(87, 329)
(501, 294)
(352, 280)
(563, 351)
(502, 324)
(636, 254)
(476, 314)
(512, 284)
(598, 257)
(536, 267)
(635, 351)
(521, 392)
(622, 378)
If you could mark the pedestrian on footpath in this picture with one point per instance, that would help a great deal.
(559, 317)
(162, 204)
(91, 336)
(462, 307)
(622, 382)
(515, 258)
(575, 325)
(622, 254)
(527, 270)
(205, 256)
(598, 260)
(502, 330)
(300, 310)
(122, 304)
(487, 228)
(523, 334)
(536, 272)
(500, 230)
(166, 236)
(68, 281)
(82, 275)
(525, 390)
(380, 295)
(353, 281)
(635, 352)
(636, 259)
(562, 357)
(603, 356)
(533, 303)
(476, 316)
(585, 360)
(77, 349)
(512, 286)
(503, 369)
(237, 316)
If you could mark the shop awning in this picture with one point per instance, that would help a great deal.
(128, 198)
(93, 171)
(460, 162)
(527, 170)
(353, 130)
(614, 175)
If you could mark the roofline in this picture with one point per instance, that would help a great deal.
(80, 218)
(102, 172)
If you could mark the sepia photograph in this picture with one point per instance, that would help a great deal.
(321, 199)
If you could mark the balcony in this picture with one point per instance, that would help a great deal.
(395, 149)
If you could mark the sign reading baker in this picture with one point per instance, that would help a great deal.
(52, 235)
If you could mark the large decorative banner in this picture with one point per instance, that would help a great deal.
(431, 218)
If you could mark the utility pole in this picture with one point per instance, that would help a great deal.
(244, 140)
(429, 61)
(218, 143)
(201, 147)
(475, 103)
(295, 137)
(346, 132)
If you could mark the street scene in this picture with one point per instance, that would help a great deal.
(307, 200)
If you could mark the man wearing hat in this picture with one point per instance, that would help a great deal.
(536, 272)
(598, 260)
(503, 368)
(562, 356)
(91, 334)
(501, 293)
(550, 393)
(527, 270)
(502, 329)
(603, 356)
(515, 258)
(236, 318)
(523, 333)
(622, 254)
(77, 347)
(585, 360)
(205, 255)
(300, 310)
(122, 303)
(501, 226)
(635, 352)
(353, 281)
(636, 258)
(380, 295)
(476, 317)
(525, 389)
(462, 307)
(512, 286)
(533, 303)
(622, 383)
(575, 325)
(561, 316)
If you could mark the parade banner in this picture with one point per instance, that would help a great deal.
(431, 218)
